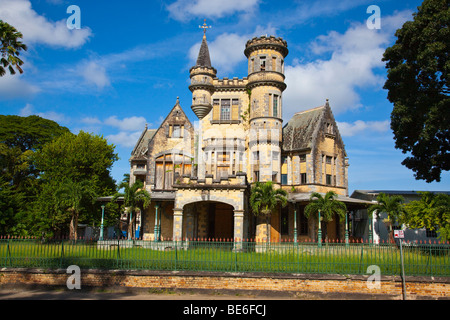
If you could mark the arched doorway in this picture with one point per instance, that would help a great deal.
(220, 221)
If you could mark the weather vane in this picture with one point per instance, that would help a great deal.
(205, 27)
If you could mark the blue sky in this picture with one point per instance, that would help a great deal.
(130, 61)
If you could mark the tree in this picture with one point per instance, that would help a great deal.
(418, 85)
(432, 211)
(392, 206)
(75, 158)
(264, 199)
(135, 197)
(78, 157)
(71, 196)
(20, 138)
(10, 49)
(328, 207)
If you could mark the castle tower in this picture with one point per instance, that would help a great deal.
(202, 87)
(266, 84)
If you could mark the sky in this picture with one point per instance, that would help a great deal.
(129, 61)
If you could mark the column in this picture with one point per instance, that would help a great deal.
(156, 231)
(177, 224)
(238, 229)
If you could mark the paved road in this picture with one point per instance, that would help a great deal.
(131, 294)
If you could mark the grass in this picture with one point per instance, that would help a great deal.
(430, 260)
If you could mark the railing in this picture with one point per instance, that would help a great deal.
(226, 256)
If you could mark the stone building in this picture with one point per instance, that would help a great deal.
(200, 178)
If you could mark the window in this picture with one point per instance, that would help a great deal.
(274, 177)
(256, 176)
(225, 111)
(284, 179)
(169, 168)
(263, 63)
(284, 160)
(176, 132)
(328, 160)
(275, 105)
(329, 179)
(303, 178)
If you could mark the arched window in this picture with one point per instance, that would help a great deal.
(170, 169)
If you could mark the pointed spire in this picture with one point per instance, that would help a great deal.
(204, 59)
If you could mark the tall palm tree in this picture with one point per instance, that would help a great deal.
(135, 197)
(71, 196)
(392, 206)
(264, 199)
(327, 205)
(10, 48)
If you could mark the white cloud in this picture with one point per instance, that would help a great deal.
(38, 29)
(351, 129)
(125, 139)
(12, 87)
(94, 73)
(355, 56)
(183, 10)
(28, 110)
(127, 124)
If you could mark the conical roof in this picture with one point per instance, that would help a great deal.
(204, 59)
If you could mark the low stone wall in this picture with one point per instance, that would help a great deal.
(416, 287)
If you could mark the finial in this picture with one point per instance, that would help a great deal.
(178, 100)
(146, 126)
(205, 27)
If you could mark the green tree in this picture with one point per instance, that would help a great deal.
(328, 207)
(392, 206)
(20, 138)
(135, 198)
(75, 158)
(432, 211)
(71, 196)
(10, 48)
(418, 85)
(264, 198)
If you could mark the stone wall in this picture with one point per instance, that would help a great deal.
(416, 287)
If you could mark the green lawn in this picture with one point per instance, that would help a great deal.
(429, 260)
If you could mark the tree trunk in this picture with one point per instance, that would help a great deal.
(73, 226)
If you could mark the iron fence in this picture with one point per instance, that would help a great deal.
(226, 256)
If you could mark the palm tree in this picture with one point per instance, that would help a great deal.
(10, 48)
(327, 206)
(71, 196)
(264, 199)
(392, 205)
(135, 197)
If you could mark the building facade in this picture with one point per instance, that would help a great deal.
(200, 178)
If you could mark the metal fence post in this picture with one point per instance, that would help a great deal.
(62, 253)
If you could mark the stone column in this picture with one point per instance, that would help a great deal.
(238, 229)
(177, 224)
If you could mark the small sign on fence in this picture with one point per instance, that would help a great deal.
(399, 234)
